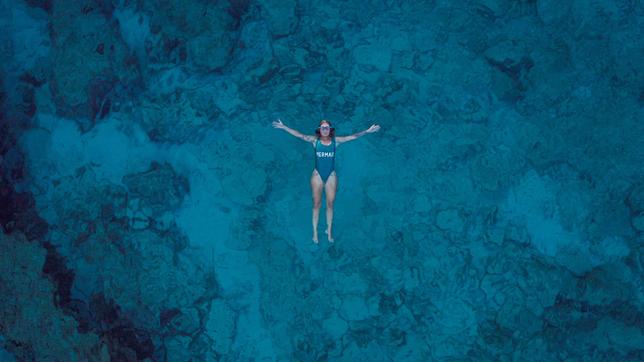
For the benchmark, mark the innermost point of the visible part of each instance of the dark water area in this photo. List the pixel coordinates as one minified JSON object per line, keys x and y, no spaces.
{"x":487,"y":201}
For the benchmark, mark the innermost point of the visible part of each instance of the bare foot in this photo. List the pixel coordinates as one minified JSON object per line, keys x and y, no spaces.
{"x":315,"y":238}
{"x":328,"y":235}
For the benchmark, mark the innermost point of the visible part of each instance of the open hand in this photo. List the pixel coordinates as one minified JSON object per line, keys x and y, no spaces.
{"x":373,"y":128}
{"x":278,"y":124}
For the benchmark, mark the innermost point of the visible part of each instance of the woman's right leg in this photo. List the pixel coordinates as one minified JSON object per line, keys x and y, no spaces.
{"x":316,"y":188}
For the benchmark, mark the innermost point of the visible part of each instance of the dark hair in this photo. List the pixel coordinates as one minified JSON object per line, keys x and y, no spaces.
{"x":331,"y":130}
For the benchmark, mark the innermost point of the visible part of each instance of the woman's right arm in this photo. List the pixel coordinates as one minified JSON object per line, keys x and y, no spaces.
{"x":279,"y":124}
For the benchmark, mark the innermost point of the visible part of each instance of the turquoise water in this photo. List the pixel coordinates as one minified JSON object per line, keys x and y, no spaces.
{"x":151,"y":211}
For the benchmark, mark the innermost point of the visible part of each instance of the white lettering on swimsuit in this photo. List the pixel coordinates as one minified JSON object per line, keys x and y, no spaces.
{"x":325,"y":154}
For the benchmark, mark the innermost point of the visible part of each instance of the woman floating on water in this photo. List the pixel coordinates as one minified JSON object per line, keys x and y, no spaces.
{"x":324,"y":141}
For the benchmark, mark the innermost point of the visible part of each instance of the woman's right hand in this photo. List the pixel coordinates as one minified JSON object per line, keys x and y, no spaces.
{"x":278,"y":124}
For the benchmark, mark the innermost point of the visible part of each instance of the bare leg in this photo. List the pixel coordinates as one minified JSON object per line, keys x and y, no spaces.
{"x":330,"y":189}
{"x":316,"y":217}
{"x":329,"y":221}
{"x":316,"y":189}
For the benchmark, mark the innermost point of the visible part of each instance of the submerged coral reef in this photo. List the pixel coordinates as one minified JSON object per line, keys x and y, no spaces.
{"x":150,"y":213}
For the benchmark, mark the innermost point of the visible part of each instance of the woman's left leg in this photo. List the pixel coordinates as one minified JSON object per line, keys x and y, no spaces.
{"x":330,"y":187}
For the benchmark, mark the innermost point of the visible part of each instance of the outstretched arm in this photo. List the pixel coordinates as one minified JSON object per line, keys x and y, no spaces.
{"x":279,"y":124}
{"x":373,"y":128}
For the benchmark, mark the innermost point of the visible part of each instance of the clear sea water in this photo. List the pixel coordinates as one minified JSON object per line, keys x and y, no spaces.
{"x":151,"y":211}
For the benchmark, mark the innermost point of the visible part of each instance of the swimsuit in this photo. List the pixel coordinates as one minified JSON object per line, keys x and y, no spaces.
{"x":324,"y":159}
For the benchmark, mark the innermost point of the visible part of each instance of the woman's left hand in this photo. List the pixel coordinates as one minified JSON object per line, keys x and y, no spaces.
{"x":373,"y":128}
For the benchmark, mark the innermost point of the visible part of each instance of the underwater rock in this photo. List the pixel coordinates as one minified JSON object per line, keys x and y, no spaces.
{"x":85,"y":208}
{"x":414,"y":348}
{"x":462,"y":99}
{"x":159,"y":188}
{"x":100,"y":102}
{"x":376,"y":56}
{"x":5,"y":355}
{"x":88,"y":60}
{"x":199,"y":34}
{"x":625,"y":44}
{"x":412,"y":278}
{"x":25,"y":54}
{"x":223,"y":93}
{"x":574,"y":198}
{"x":185,"y":323}
{"x":371,"y":351}
{"x":553,"y":12}
{"x":606,"y":284}
{"x":392,"y":276}
{"x":450,"y":219}
{"x":388,"y":304}
{"x":492,"y":169}
{"x":455,"y":316}
{"x":497,"y":289}
{"x":354,"y":308}
{"x":515,"y":316}
{"x":404,"y":320}
{"x":335,"y":326}
{"x":221,"y":325}
{"x":512,"y":61}
{"x":210,"y":49}
{"x":140,"y":221}
{"x":535,"y":349}
{"x":576,"y":322}
{"x":155,"y":281}
{"x":237,"y":9}
{"x":638,"y":222}
{"x":373,"y":304}
{"x":352,"y":284}
{"x":27,"y":104}
{"x":255,"y":61}
{"x":173,"y":117}
{"x":612,"y":334}
{"x":42,"y":4}
{"x":165,"y":222}
{"x":181,"y":334}
{"x":178,"y":348}
{"x":496,"y":340}
{"x":33,"y":327}
{"x":133,"y":282}
{"x":497,"y":7}
{"x":494,"y":235}
{"x":583,"y":252}
{"x":18,"y":211}
{"x":533,"y":204}
{"x":635,"y":199}
{"x":55,"y":267}
{"x":129,"y":343}
{"x":13,"y":162}
{"x":7,"y":138}
{"x":167,"y":315}
{"x":596,"y":18}
{"x":281,"y":16}
{"x":245,"y":232}
{"x":542,"y":284}
{"x":608,"y":250}
{"x":246,"y":186}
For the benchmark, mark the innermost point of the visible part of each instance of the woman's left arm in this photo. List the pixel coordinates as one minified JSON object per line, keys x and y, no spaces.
{"x":373,"y":128}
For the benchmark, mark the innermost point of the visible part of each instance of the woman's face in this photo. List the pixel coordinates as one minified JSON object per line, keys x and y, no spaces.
{"x":325,"y":129}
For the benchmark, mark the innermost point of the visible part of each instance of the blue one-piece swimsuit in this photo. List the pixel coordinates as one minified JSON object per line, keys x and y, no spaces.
{"x":325,"y":159}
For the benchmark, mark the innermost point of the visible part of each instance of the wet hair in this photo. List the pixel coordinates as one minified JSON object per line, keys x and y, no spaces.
{"x":331,"y":130}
